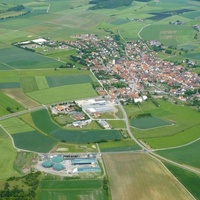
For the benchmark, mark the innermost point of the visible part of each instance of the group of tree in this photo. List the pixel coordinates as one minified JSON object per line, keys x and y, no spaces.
{"x":17,"y":192}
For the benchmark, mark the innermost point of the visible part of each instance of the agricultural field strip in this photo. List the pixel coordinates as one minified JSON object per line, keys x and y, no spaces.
{"x":172,"y":175}
{"x":177,"y":146}
{"x":197,"y":171}
{"x":8,"y":65}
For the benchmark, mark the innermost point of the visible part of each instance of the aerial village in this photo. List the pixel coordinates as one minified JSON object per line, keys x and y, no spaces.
{"x":130,"y":72}
{"x":126,"y":69}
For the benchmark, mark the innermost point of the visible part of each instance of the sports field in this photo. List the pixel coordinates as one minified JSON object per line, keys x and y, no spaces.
{"x":43,"y":122}
{"x":142,"y":177}
{"x":148,"y":122}
{"x":188,"y":155}
{"x":71,"y":189}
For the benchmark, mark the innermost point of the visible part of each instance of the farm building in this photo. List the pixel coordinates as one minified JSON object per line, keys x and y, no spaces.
{"x":47,"y":164}
{"x":57,"y":159}
{"x":58,"y":167}
{"x":83,"y":161}
{"x":89,"y":169}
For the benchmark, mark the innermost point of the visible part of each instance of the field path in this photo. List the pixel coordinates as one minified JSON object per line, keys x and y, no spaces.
{"x":178,"y":146}
{"x":142,"y":30}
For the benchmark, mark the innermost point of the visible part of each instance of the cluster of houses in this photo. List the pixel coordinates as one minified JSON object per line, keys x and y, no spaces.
{"x":136,"y":66}
{"x":197,"y":27}
{"x":74,"y":111}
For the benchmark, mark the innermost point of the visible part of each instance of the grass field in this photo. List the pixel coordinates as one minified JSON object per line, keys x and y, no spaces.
{"x":185,"y":129}
{"x":188,"y":155}
{"x":71,"y":189}
{"x":20,"y":97}
{"x":8,"y":155}
{"x":32,"y":61}
{"x":63,"y":93}
{"x":190,"y":180}
{"x":141,"y":177}
{"x":148,"y":122}
{"x":34,"y":141}
{"x":15,"y":125}
{"x":55,"y":81}
{"x":45,"y":124}
{"x":117,"y":123}
{"x":123,"y":145}
{"x":6,"y":102}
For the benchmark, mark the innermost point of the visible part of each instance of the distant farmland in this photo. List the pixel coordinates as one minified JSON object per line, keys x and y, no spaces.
{"x":139,"y":176}
{"x":22,"y":59}
{"x":71,"y":189}
{"x":63,"y":93}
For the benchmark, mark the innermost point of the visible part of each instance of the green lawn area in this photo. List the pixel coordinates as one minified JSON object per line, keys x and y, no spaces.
{"x":123,"y":145}
{"x":71,"y":189}
{"x":43,"y":122}
{"x":117,"y":123}
{"x":63,"y":93}
{"x":8,"y":155}
{"x":190,"y":180}
{"x":148,"y":122}
{"x":188,"y":155}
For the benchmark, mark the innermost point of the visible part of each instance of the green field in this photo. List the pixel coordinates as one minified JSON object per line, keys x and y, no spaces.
{"x":117,"y":123}
{"x":185,"y":119}
{"x":6,"y":102}
{"x":8,"y":155}
{"x":29,"y":84}
{"x":190,"y":180}
{"x":148,"y":123}
{"x":44,"y":123}
{"x":55,"y":81}
{"x":188,"y":155}
{"x":114,"y":146}
{"x":63,"y":93}
{"x":139,"y":176}
{"x":15,"y":125}
{"x":71,"y":189}
{"x":32,"y":61}
{"x":34,"y":141}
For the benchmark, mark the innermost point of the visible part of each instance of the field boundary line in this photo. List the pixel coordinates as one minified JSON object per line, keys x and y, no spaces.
{"x":13,"y":143}
{"x":173,"y":176}
{"x":178,"y":146}
{"x":142,"y":30}
{"x":9,"y":65}
{"x":48,"y":8}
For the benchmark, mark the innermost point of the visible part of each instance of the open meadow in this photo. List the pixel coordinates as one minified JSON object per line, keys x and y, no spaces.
{"x":142,"y":177}
{"x":186,"y":123}
{"x":188,"y":155}
{"x":71,"y":189}
{"x":8,"y":155}
{"x":190,"y":180}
